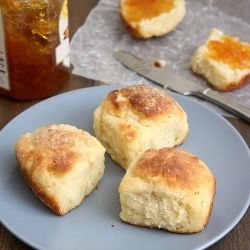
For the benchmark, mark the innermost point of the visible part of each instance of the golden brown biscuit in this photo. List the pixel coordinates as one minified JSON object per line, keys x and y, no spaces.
{"x":61,"y":164}
{"x":224,"y":61}
{"x":147,"y":18}
{"x":135,"y":118}
{"x":167,"y":188}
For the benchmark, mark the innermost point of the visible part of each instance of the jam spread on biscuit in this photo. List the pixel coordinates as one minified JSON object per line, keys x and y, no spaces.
{"x":147,"y":9}
{"x":230,"y":51}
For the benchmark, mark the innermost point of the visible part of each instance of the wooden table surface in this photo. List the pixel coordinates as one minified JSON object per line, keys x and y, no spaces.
{"x":238,"y":238}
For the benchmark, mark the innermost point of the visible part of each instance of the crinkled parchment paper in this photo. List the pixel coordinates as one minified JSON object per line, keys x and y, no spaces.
{"x":93,"y":45}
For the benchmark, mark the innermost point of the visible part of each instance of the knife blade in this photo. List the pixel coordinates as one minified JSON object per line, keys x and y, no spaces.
{"x":181,"y":85}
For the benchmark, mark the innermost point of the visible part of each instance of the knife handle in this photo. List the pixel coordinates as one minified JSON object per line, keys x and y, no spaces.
{"x":228,"y":104}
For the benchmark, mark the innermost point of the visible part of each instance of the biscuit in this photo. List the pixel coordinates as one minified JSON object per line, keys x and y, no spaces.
{"x":224,"y":61}
{"x":169,"y":189}
{"x":145,"y":19}
{"x":61,"y":164}
{"x":135,"y":118}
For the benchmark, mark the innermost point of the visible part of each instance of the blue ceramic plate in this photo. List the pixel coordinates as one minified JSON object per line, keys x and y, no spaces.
{"x":95,"y":224}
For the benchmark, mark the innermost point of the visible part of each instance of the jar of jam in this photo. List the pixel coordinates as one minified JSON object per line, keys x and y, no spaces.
{"x":34,"y":48}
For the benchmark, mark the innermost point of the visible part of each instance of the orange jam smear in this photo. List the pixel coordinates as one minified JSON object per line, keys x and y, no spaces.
{"x":230,"y":51}
{"x":147,"y":9}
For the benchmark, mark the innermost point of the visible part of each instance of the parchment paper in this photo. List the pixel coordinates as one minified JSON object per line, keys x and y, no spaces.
{"x":93,"y":45}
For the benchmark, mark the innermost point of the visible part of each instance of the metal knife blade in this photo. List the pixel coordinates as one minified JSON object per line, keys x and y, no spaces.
{"x":180,"y":85}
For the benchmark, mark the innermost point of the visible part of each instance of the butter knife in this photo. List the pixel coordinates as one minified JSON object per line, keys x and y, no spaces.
{"x":181,"y":85}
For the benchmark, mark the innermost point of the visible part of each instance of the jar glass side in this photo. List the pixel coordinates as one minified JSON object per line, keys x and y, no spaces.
{"x":34,"y":42}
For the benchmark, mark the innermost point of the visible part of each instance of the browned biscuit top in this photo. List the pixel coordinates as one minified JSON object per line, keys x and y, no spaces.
{"x":61,"y":163}
{"x":52,"y":148}
{"x":173,"y":167}
{"x":50,"y":137}
{"x":143,"y":100}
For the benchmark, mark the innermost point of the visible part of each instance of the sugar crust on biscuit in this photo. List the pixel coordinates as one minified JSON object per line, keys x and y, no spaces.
{"x":61,"y":164}
{"x":132,"y":119}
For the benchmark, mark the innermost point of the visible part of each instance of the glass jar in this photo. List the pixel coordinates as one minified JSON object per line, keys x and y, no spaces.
{"x":34,"y":48}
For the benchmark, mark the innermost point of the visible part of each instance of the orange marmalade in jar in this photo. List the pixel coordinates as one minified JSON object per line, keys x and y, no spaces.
{"x":34,"y":48}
